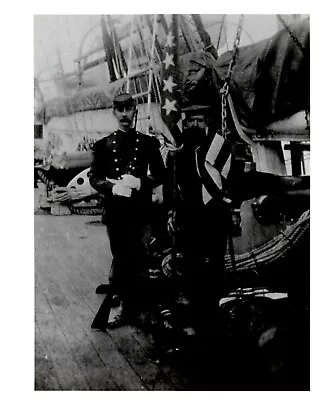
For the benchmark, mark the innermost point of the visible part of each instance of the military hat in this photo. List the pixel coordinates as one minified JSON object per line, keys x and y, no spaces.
{"x":123,"y":100}
{"x":196,"y":108}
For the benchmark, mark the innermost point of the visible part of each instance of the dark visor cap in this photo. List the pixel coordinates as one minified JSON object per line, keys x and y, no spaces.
{"x":124,"y":100}
{"x":196,"y":108}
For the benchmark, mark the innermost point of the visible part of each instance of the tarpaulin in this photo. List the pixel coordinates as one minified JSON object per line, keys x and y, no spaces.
{"x":270,"y":79}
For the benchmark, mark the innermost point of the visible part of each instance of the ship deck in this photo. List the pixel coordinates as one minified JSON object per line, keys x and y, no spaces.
{"x":72,"y":257}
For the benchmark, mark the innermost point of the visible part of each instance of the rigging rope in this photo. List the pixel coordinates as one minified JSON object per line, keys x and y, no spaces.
{"x":155,"y":25}
{"x":225,"y":89}
{"x":130,"y":55}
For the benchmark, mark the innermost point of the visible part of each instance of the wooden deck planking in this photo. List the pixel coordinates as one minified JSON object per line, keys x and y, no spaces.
{"x":72,"y":258}
{"x":76,"y":321}
{"x":126,"y":347}
{"x":156,"y":378}
{"x":69,"y":373}
{"x":178,"y":381}
{"x":45,"y":373}
{"x":152,"y":376}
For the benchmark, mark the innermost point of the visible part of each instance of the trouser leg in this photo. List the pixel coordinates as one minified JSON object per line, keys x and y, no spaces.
{"x":206,"y":254}
{"x":128,"y":237}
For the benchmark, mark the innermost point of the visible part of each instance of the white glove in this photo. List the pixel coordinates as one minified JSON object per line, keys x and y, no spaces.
{"x":131,"y":181}
{"x":120,"y":190}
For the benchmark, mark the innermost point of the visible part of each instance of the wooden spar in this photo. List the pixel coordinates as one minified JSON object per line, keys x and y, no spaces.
{"x":163,"y":22}
{"x":137,"y":82}
{"x":157,"y":44}
{"x":123,"y":62}
{"x":286,"y":19}
{"x":130,"y":54}
{"x":186,"y":35}
{"x":119,"y":56}
{"x":155,"y":25}
{"x":108,"y":49}
{"x":221,"y":29}
{"x":204,"y":35}
{"x":141,"y":38}
{"x":94,"y":63}
{"x":114,"y":44}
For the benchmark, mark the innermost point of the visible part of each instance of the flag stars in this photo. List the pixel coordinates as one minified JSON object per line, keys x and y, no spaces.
{"x":169,"y":84}
{"x":169,"y":106}
{"x":168,"y":60}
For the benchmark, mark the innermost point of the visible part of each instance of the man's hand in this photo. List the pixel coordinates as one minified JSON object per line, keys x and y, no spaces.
{"x":120,"y":190}
{"x":131,"y":181}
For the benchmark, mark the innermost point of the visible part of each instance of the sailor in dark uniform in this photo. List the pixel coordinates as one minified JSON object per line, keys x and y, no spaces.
{"x":202,"y":229}
{"x":127,"y":165}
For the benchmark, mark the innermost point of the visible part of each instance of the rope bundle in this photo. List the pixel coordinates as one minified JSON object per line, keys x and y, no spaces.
{"x":274,"y":249}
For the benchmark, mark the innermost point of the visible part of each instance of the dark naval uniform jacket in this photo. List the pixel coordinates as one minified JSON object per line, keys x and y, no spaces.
{"x":131,"y":153}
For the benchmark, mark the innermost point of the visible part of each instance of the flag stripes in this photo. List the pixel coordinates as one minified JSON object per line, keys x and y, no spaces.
{"x":214,"y":165}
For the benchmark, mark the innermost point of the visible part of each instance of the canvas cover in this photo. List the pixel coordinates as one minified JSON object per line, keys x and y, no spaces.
{"x":270,"y":79}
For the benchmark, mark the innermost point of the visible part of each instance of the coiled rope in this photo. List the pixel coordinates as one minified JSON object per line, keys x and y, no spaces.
{"x":274,"y":249}
{"x":86,"y":210}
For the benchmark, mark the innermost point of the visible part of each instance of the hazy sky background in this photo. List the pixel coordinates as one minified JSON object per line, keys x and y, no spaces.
{"x":66,"y":32}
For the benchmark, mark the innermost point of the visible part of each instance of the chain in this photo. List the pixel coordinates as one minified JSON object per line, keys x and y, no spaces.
{"x":224,"y":129}
{"x":294,"y":38}
{"x":225,"y":89}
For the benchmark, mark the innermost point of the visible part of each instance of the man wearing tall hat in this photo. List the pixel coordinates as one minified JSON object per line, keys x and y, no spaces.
{"x":127,"y":165}
{"x":201,"y":228}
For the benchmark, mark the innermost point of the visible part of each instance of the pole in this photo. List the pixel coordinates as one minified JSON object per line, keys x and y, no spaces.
{"x":107,"y":48}
{"x":186,"y":35}
{"x":114,"y":44}
{"x":157,"y":44}
{"x":121,"y":63}
{"x":206,"y":40}
{"x":130,"y":55}
{"x":151,"y":69}
{"x":222,"y":25}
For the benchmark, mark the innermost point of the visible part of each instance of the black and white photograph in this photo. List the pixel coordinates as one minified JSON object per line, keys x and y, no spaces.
{"x":171,"y":202}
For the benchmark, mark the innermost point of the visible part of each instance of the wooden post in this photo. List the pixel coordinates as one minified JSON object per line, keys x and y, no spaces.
{"x":204,"y":35}
{"x":186,"y":34}
{"x":157,"y":44}
{"x":108,"y":49}
{"x":117,"y":49}
{"x":163,"y":22}
{"x":296,"y":158}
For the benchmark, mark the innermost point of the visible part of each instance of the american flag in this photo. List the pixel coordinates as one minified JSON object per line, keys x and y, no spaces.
{"x":214,"y":161}
{"x":170,"y":91}
{"x":214,"y":166}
